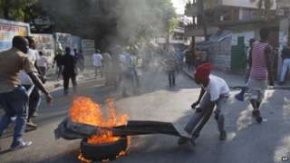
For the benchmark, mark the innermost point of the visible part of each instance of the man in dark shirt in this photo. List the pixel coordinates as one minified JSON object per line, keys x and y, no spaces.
{"x":69,"y":70}
{"x":286,"y":63}
{"x":57,"y":61}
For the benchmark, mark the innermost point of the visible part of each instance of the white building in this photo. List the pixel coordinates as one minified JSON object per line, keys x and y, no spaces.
{"x":178,"y":36}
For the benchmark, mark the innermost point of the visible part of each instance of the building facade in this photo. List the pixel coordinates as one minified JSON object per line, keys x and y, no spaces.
{"x":177,"y":37}
{"x":239,"y":19}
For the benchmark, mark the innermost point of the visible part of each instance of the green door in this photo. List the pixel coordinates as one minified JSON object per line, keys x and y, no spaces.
{"x":238,"y":56}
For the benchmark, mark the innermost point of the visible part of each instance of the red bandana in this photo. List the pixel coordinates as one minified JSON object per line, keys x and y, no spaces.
{"x":202,"y":72}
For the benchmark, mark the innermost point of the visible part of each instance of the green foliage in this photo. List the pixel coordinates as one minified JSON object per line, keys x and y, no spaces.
{"x":15,"y":9}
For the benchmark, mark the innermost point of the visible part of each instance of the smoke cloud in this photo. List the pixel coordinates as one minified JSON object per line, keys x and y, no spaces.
{"x":107,"y":21}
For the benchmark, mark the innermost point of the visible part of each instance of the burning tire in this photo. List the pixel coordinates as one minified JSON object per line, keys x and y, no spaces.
{"x":97,"y":152}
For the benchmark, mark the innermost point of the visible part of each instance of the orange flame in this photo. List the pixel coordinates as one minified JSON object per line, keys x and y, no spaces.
{"x":85,"y":111}
{"x":83,"y":159}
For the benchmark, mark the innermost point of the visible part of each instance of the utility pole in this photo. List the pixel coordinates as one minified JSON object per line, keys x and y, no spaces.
{"x":193,"y":28}
{"x":203,"y":18}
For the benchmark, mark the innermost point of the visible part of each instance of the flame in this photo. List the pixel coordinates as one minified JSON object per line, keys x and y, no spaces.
{"x":83,"y":159}
{"x":85,"y":111}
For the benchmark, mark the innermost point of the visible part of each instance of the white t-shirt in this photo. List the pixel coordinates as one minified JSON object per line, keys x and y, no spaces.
{"x":42,"y":62}
{"x":32,"y":56}
{"x":217,"y":87}
{"x":97,"y":60}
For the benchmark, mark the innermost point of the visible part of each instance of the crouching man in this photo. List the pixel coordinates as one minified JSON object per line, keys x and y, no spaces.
{"x":214,"y":92}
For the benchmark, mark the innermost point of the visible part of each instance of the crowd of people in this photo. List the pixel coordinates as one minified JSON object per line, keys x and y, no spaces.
{"x":119,"y":67}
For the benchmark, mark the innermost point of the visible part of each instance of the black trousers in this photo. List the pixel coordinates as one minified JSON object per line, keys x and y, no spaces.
{"x":58,"y":71}
{"x":66,"y":79}
{"x":171,"y":78}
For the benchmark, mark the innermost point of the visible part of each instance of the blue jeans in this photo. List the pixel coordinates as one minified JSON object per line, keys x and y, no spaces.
{"x":14,"y":103}
{"x":285,"y":67}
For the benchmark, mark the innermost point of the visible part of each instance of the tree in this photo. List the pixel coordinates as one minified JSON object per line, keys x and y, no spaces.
{"x":15,"y":9}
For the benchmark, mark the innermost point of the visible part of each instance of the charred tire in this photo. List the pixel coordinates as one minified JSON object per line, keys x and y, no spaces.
{"x":104,"y":151}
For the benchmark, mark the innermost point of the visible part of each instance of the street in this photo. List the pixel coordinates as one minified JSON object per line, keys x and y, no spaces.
{"x":247,"y":141}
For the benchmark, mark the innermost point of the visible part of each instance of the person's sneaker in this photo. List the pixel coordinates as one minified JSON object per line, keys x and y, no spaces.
{"x":240,"y":96}
{"x":31,"y":124}
{"x":259,"y":119}
{"x":21,"y":145}
{"x":182,"y":140}
{"x":223,"y":135}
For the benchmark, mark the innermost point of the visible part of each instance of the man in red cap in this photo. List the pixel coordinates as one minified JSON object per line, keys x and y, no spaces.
{"x":214,"y":92}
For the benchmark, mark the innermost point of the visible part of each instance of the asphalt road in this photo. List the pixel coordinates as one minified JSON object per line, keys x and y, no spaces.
{"x":247,"y":141}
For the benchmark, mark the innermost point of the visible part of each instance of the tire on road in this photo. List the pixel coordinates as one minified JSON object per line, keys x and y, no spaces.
{"x":98,"y":152}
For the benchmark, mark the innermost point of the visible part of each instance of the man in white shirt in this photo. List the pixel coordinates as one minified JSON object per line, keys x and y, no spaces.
{"x":34,"y":94}
{"x":42,"y":64}
{"x":98,"y":63}
{"x":214,"y":92}
{"x":24,"y":78}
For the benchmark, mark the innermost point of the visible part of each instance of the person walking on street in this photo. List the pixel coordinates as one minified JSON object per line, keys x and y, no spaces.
{"x":42,"y":64}
{"x":170,"y":63}
{"x":260,"y":72}
{"x":249,"y":59}
{"x":34,"y":98}
{"x":108,"y":68}
{"x":134,"y":64}
{"x":98,"y":63}
{"x":79,"y":59}
{"x":57,"y":61}
{"x":126,"y":79}
{"x":286,"y":64}
{"x":189,"y":59}
{"x":214,"y":94}
{"x":69,"y":70}
{"x":13,"y":97}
